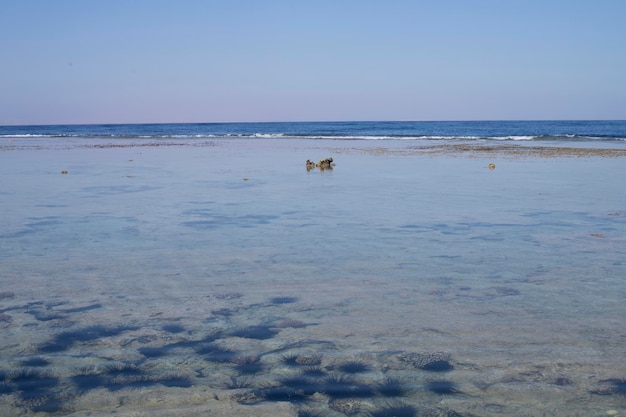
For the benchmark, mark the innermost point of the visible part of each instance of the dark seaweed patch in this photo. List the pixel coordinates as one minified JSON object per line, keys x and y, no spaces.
{"x":312,"y":413}
{"x":44,"y":404}
{"x":344,"y":387}
{"x":442,"y":387}
{"x":81,"y":309}
{"x":305,"y":386}
{"x":120,"y":376}
{"x":34,"y":390}
{"x":173,"y":328}
{"x":118,"y":369}
{"x":214,"y":353}
{"x":313,"y":372}
{"x":42,"y":315}
{"x":5,"y":388}
{"x":249,"y":368}
{"x":35,"y":362}
{"x":290,"y":360}
{"x":395,"y":410}
{"x":283,"y":300}
{"x":66,"y":340}
{"x":353,"y":367}
{"x":225,"y":312}
{"x":392,"y":387}
{"x":178,"y":382}
{"x":112,"y":377}
{"x":238,"y":383}
{"x":280,"y":393}
{"x":153,"y":352}
{"x":31,"y":381}
{"x":256,"y":332}
{"x":88,"y":382}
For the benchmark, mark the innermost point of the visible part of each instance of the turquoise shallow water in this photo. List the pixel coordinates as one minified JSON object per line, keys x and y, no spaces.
{"x":222,"y":276}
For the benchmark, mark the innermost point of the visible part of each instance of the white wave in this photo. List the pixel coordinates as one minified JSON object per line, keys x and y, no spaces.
{"x":268,"y":135}
{"x":26,"y":135}
{"x":513,"y":137}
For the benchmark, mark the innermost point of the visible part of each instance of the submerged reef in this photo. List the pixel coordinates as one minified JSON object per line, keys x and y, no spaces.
{"x":428,"y":361}
{"x":611,"y":387}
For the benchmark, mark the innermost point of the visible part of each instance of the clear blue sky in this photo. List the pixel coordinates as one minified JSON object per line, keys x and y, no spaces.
{"x":136,"y":61}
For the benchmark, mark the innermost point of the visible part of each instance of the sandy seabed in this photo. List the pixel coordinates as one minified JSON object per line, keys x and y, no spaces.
{"x":222,"y":278}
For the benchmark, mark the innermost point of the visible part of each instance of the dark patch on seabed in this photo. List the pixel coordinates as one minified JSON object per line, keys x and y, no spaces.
{"x":41,"y":224}
{"x":216,"y":221}
{"x":82,"y":309}
{"x":297,"y":372}
{"x":66,"y":340}
{"x":95,"y":191}
{"x":261,"y":332}
{"x":283,"y":300}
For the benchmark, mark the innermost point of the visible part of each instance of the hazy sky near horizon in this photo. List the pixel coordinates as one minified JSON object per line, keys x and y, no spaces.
{"x":145,"y":61}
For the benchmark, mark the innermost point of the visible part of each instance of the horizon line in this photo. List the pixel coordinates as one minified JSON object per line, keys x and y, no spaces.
{"x":313,"y":121}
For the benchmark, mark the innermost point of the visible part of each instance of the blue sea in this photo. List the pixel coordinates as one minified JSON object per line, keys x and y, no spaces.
{"x":568,"y":131}
{"x":433,"y":269}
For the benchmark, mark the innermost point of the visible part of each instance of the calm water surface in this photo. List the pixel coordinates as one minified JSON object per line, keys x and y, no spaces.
{"x":223,"y":277}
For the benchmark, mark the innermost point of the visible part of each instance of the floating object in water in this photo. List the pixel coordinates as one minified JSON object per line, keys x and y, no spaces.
{"x":64,"y":172}
{"x":492,"y":166}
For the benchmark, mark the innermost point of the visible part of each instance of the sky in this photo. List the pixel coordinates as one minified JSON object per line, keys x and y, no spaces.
{"x":153,"y":61}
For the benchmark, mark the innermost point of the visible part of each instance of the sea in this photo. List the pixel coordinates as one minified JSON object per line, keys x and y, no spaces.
{"x":408,"y":269}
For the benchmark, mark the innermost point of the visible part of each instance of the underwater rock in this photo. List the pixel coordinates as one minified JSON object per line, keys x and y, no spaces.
{"x":294,"y":324}
{"x":325,"y":164}
{"x":322,"y":164}
{"x":434,"y":361}
{"x":611,"y":387}
{"x":347,"y":406}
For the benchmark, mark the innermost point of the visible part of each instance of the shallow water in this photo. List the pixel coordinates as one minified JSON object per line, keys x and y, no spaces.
{"x":176,"y":280}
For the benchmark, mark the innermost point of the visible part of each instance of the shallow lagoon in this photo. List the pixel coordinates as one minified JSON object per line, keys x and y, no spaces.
{"x":222,"y":277}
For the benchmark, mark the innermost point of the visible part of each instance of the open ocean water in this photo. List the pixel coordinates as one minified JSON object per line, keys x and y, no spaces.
{"x":201,"y":269}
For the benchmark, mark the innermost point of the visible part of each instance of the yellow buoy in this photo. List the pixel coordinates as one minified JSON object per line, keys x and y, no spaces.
{"x":492,"y":166}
